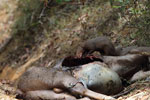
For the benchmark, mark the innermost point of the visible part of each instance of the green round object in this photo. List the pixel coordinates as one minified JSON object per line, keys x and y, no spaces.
{"x":99,"y":78}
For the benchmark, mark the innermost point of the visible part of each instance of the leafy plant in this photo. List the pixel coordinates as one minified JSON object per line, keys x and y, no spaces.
{"x":60,"y":1}
{"x":122,"y":4}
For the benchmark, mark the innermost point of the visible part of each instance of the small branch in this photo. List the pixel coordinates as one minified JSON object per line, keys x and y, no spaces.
{"x":43,"y":10}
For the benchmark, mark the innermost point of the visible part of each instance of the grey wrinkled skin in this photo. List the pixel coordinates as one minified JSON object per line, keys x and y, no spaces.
{"x":40,"y":80}
{"x":126,"y":66}
{"x":126,"y":50}
{"x":134,"y":49}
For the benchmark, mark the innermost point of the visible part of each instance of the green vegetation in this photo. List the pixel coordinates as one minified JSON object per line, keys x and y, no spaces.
{"x":139,"y":18}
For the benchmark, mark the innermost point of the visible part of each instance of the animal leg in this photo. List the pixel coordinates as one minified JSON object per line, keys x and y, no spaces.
{"x":80,"y":89}
{"x":47,"y":95}
{"x":140,"y":75}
